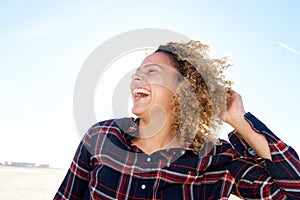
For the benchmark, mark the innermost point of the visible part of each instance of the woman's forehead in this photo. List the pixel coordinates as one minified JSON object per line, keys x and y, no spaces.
{"x":158,"y":58}
{"x":161,"y":67}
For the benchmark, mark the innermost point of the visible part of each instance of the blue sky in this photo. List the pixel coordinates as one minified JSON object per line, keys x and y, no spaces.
{"x":44,"y":44}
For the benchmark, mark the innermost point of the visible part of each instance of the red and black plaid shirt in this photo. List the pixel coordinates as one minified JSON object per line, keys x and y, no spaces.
{"x":107,"y":166}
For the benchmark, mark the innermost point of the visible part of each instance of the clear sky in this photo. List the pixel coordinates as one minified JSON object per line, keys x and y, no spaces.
{"x":43,"y":45}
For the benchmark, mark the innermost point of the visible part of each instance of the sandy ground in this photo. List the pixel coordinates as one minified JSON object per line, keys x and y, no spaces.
{"x":29,"y":183}
{"x":18,"y":183}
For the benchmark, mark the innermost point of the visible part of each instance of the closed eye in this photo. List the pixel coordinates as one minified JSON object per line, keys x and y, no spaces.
{"x":152,"y":71}
{"x":150,"y":68}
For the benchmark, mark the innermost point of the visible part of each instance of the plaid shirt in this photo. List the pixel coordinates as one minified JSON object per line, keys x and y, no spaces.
{"x":107,"y":166}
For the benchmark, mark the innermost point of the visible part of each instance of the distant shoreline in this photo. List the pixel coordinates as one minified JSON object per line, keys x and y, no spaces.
{"x":20,"y":167}
{"x":25,"y":165}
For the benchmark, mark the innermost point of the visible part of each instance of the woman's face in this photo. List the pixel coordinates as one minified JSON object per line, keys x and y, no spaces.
{"x":153,"y":84}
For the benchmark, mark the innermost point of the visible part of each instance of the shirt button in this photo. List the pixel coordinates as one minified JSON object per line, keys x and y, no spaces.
{"x":148,"y":159}
{"x":143,"y":186}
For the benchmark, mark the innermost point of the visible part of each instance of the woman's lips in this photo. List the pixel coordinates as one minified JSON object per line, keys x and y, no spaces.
{"x":140,"y":93}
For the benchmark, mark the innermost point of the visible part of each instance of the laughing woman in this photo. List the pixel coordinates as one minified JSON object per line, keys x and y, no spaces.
{"x":171,"y":150}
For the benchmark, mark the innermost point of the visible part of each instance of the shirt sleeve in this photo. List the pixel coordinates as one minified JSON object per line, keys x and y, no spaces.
{"x":75,"y":183}
{"x":260,"y":178}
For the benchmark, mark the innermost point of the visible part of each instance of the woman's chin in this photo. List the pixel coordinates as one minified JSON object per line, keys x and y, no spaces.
{"x":140,"y":107}
{"x":138,"y":111}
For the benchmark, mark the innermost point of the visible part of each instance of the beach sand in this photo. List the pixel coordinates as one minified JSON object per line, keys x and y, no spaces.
{"x":29,"y":183}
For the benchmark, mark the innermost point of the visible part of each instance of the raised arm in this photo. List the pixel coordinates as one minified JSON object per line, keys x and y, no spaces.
{"x":268,"y":168}
{"x":235,"y":117}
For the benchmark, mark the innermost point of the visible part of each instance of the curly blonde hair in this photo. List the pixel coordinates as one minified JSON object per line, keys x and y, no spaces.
{"x":202,"y":94}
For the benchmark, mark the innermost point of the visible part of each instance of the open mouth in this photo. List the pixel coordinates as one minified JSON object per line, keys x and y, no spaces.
{"x":140,"y":93}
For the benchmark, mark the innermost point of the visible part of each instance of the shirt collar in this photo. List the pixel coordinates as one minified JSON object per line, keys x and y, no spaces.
{"x":130,"y":127}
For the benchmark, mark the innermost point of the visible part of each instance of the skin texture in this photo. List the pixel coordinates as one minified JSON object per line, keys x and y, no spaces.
{"x":157,"y":75}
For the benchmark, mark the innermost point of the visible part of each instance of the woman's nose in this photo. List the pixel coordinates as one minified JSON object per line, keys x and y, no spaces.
{"x":137,"y":77}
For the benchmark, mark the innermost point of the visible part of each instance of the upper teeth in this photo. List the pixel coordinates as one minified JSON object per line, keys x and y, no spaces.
{"x":141,"y":91}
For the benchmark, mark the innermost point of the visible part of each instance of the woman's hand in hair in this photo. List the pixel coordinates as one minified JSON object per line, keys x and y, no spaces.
{"x":235,"y":109}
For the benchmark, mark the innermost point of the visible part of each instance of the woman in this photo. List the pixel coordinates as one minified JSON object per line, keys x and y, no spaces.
{"x":170,"y":151}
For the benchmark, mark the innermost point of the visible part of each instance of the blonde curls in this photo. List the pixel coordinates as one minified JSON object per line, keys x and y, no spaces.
{"x":202,"y":94}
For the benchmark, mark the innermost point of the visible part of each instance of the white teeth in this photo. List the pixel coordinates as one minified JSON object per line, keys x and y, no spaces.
{"x":140,"y":91}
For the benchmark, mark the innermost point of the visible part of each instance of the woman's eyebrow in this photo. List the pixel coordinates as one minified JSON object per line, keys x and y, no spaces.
{"x":149,"y":65}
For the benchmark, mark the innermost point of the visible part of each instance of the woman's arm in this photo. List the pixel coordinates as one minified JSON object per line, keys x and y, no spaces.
{"x":75,"y":183}
{"x":273,"y":170}
{"x":235,"y":117}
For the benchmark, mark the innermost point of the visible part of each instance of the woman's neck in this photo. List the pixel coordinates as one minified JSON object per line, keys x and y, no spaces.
{"x":156,"y":134}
